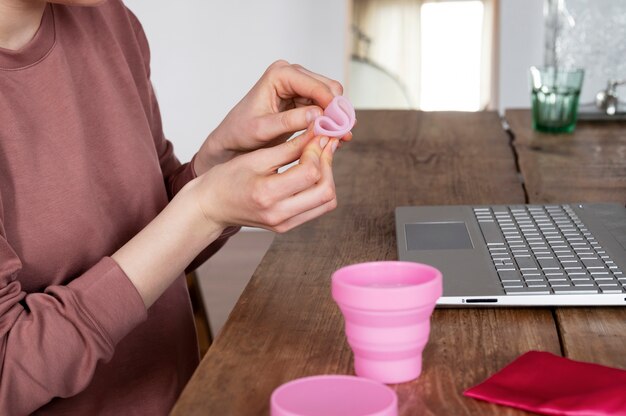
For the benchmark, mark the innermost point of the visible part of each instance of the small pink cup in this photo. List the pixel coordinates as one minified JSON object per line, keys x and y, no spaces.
{"x":333,"y":395}
{"x":387,"y":307}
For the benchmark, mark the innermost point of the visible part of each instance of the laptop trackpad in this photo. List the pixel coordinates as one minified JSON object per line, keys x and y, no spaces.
{"x":437,"y":236}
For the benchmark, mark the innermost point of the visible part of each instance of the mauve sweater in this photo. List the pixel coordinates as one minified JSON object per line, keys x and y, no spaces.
{"x":84,"y":166}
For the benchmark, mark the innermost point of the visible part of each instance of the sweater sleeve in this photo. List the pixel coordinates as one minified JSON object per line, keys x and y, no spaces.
{"x":51,"y":342}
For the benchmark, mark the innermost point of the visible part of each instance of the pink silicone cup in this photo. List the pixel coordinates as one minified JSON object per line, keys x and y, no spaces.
{"x":333,"y":395}
{"x":387,"y":308}
{"x":338,"y":119}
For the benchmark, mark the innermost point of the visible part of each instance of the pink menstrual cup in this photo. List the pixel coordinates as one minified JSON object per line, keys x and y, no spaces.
{"x":387,"y":307}
{"x":338,"y":119}
{"x":334,"y":395}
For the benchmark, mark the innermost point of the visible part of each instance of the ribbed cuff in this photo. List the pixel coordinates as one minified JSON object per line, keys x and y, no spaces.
{"x":111,"y":300}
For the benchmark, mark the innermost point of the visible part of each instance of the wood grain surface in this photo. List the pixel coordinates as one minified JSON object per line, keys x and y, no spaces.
{"x":586,"y":166}
{"x":286,"y":326}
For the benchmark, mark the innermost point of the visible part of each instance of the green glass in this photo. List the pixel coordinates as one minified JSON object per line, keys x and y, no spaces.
{"x":555,"y":94}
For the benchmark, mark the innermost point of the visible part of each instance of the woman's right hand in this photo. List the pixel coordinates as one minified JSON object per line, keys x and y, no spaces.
{"x":249,"y":191}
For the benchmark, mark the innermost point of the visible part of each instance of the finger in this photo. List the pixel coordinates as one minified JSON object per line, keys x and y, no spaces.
{"x":301,"y":176}
{"x":298,"y":219}
{"x":270,"y":159}
{"x":305,"y":217}
{"x":315,"y":195}
{"x":292,"y":83}
{"x":284,"y":137}
{"x":315,"y":201}
{"x":289,"y":121}
{"x":335,"y":86}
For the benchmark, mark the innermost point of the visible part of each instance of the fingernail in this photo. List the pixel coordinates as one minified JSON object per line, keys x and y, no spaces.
{"x":323,"y":142}
{"x":312,"y":115}
{"x":334,"y":145}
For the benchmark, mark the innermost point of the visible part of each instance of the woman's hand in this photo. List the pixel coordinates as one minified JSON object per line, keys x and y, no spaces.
{"x":285,"y":100}
{"x":249,"y":191}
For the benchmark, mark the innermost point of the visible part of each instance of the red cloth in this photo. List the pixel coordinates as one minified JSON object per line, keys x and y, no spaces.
{"x":84,"y":166}
{"x":545,"y":383}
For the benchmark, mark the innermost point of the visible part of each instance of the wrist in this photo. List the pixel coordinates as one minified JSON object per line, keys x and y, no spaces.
{"x":200,"y":223}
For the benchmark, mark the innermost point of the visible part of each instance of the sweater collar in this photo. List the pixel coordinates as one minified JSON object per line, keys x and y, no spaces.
{"x":36,"y":49}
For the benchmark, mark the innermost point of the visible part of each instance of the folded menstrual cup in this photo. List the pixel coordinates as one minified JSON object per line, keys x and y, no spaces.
{"x":338,"y":119}
{"x":387,"y":307}
{"x":333,"y":395}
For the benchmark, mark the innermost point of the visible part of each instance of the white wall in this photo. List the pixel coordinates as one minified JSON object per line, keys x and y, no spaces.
{"x":207,"y":54}
{"x":521,"y":46}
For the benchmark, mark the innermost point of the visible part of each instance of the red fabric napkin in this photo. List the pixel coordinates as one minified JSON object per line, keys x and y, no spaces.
{"x":545,"y":383}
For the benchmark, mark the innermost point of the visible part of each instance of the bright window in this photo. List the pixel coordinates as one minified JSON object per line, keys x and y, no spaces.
{"x":451,"y":38}
{"x":423,"y":54}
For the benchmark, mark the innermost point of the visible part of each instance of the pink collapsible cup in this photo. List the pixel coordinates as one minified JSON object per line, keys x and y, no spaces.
{"x":387,"y":307}
{"x":333,"y":395}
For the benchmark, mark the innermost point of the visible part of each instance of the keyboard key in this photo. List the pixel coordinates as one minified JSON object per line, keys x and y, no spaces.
{"x":569,"y":268}
{"x":583,"y":276}
{"x":557,"y":279}
{"x":573,"y":290}
{"x":549,"y":263}
{"x":530,"y":279}
{"x":510,"y":276}
{"x":560,"y":284}
{"x":607,"y":284}
{"x":593,"y":263}
{"x":526,"y":263}
{"x":583,"y":283}
{"x":492,"y":234}
{"x":603,"y":279}
{"x":493,"y":249}
{"x":554,"y":273}
{"x":612,"y":290}
{"x":504,"y":268}
{"x":512,"y":286}
{"x":518,"y":247}
{"x":528,"y":291}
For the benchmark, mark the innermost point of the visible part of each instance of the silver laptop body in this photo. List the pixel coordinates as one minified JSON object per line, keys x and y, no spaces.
{"x":520,"y":255}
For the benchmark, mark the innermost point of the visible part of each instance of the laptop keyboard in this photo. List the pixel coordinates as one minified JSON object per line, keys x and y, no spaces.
{"x":546,"y":249}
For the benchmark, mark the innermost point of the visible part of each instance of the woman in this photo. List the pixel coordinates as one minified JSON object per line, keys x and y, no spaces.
{"x":98,"y":219}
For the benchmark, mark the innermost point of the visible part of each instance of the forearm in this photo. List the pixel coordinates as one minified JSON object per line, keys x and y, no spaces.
{"x":159,"y":253}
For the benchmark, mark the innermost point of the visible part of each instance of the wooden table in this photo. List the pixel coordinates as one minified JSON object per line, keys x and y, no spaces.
{"x":285,"y":325}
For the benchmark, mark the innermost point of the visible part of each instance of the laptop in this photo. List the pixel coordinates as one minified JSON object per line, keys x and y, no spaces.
{"x":520,"y":255}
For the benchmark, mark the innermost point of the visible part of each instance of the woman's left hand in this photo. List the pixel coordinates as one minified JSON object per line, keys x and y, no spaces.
{"x":285,"y":100}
